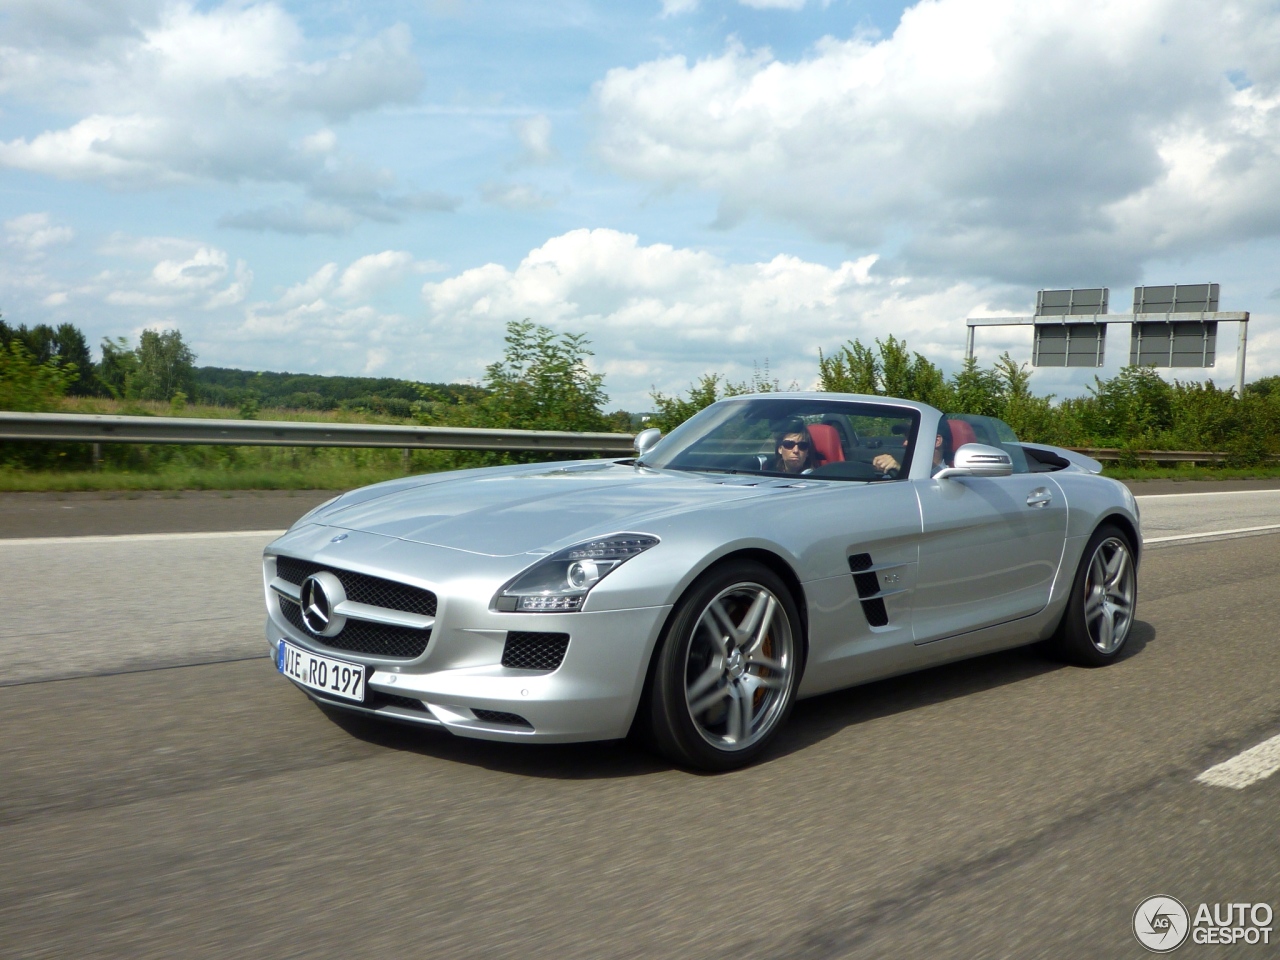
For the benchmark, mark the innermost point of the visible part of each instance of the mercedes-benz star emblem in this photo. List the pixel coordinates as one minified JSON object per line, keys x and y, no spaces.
{"x":321,"y":595}
{"x":315,"y":606}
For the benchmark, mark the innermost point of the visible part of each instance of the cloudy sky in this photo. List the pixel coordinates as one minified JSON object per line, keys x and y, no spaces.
{"x":697,"y":185}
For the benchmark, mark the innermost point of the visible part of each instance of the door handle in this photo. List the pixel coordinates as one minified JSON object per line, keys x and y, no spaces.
{"x":1040,"y":497}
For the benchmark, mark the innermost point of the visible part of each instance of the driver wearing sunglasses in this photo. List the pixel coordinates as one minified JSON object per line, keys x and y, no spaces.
{"x":795,"y":448}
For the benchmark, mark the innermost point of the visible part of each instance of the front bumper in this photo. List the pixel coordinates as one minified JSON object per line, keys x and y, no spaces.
{"x":591,"y":695}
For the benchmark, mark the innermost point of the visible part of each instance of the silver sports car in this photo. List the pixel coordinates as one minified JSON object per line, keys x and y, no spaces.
{"x":772,"y":547}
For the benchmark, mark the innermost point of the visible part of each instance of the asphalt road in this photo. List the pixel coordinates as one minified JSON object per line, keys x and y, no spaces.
{"x":1003,"y":807}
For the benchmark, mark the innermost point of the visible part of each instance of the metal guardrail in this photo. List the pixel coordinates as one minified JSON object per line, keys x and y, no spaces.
{"x":1104,"y":454}
{"x":96,"y":428}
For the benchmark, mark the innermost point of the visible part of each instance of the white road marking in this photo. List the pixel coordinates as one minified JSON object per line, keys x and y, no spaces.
{"x":1210,"y":534}
{"x":140,"y":538}
{"x":1203,"y":493}
{"x":1256,"y":763}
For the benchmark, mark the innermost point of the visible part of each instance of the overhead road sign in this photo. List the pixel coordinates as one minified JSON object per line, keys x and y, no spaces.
{"x":1060,"y":342}
{"x":1171,"y":326}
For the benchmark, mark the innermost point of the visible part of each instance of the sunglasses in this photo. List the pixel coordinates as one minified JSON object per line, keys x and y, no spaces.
{"x":792,"y":444}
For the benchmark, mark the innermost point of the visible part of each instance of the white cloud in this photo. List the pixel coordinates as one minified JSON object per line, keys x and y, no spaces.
{"x":660,"y":315}
{"x":186,"y":94}
{"x":36,"y":232}
{"x":534,"y":134}
{"x":190,"y":275}
{"x":774,"y":4}
{"x":121,"y":244}
{"x":515,"y":196}
{"x":305,"y":218}
{"x":371,"y":274}
{"x":673,"y":8}
{"x":1064,"y":141}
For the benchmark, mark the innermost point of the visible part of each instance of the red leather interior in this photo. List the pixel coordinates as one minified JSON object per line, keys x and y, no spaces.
{"x":826,"y":442}
{"x":961,"y":433}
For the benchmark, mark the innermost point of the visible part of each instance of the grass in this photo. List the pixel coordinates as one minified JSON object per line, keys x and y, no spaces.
{"x":191,"y":478}
{"x":1188,"y":472}
{"x":201,"y":411}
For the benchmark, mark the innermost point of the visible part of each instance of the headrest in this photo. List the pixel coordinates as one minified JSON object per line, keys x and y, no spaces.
{"x":961,"y":433}
{"x":826,"y":442}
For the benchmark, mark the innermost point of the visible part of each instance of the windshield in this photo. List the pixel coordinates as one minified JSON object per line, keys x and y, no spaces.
{"x":830,"y":439}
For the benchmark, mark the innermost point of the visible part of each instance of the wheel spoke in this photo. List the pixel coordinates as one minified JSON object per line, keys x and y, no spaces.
{"x":1091,"y":606}
{"x":768,"y":683}
{"x":716,"y":633}
{"x":1118,"y":577}
{"x":1097,"y":570}
{"x":1114,"y":564}
{"x":726,"y":622}
{"x":746,"y":705}
{"x":708,"y":680}
{"x":760,"y":660}
{"x":710,"y":700}
{"x":756,"y":623}
{"x":1106,"y":628}
{"x":734,"y":732}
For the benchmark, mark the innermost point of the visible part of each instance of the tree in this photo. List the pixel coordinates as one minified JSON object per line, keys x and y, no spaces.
{"x":118,"y":369}
{"x":543,"y":382}
{"x":29,"y":385}
{"x":166,"y":365}
{"x":851,"y":369}
{"x":71,"y":348}
{"x":674,"y":410}
{"x":888,"y":371}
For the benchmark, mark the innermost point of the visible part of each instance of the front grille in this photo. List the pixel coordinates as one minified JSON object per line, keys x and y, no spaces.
{"x":507,"y":719}
{"x":361,"y":636}
{"x":362,"y":588}
{"x":534,"y":651}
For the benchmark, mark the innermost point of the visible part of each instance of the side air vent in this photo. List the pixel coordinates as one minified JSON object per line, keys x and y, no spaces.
{"x":506,"y":719}
{"x":868,"y":585}
{"x":534,"y":651}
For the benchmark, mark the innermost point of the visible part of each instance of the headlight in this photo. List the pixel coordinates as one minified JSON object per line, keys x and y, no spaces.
{"x":560,"y":583}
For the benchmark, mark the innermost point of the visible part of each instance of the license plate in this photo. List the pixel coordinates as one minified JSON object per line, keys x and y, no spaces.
{"x":335,"y":677}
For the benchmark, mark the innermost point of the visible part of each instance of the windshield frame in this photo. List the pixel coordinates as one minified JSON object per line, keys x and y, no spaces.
{"x":773,"y":409}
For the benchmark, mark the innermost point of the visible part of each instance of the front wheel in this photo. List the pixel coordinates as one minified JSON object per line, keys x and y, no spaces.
{"x":1104,"y":598}
{"x":727,"y":673}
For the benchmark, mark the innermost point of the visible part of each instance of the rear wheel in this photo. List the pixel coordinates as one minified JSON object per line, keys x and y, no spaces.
{"x":1104,"y":599}
{"x":727,"y":672}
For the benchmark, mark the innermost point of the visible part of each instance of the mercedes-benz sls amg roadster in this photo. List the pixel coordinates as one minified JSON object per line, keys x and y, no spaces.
{"x":772,"y":547}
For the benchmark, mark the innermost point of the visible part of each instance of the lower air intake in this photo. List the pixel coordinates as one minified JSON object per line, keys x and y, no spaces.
{"x":506,"y":719}
{"x":534,"y":651}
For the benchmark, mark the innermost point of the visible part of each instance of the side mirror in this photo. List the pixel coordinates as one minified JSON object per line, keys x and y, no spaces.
{"x":645,"y":440}
{"x":978,"y":460}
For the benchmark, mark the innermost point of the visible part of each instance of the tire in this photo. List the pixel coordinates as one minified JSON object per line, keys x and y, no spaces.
{"x":1103,"y":601}
{"x":728,"y":668}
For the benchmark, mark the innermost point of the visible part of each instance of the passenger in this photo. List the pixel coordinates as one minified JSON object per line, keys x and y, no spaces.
{"x":888,"y":464}
{"x":794,"y":448}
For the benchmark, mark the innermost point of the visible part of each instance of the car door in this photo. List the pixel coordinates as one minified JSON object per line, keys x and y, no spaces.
{"x":989,"y":551}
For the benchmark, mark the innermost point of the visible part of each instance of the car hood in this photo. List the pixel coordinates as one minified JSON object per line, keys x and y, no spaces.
{"x":505,"y":513}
